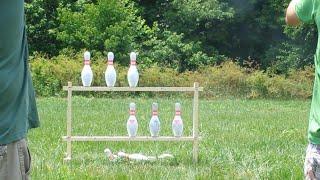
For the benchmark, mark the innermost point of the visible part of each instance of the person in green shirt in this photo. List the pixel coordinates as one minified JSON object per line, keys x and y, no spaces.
{"x":308,"y":11}
{"x":18,"y":111}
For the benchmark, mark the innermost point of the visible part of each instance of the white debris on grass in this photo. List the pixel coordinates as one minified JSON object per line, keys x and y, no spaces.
{"x":110,"y":156}
{"x":135,"y":156}
{"x":165,"y":156}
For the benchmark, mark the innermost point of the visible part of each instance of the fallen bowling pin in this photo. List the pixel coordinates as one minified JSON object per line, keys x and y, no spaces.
{"x":165,"y":156}
{"x":86,"y":73}
{"x":136,"y":157}
{"x":110,"y":156}
{"x":139,"y":157}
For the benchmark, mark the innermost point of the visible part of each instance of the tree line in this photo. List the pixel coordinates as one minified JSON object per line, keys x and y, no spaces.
{"x":181,"y":34}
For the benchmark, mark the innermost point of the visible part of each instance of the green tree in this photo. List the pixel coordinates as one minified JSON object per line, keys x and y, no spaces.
{"x":41,"y":24}
{"x":108,"y":25}
{"x":112,"y":25}
{"x":201,"y":21}
{"x":294,"y":51}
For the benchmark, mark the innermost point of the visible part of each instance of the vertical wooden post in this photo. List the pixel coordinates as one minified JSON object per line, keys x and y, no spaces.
{"x":196,"y":122}
{"x":69,"y":121}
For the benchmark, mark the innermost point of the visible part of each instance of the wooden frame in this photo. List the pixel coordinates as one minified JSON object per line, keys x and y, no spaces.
{"x":195,"y":130}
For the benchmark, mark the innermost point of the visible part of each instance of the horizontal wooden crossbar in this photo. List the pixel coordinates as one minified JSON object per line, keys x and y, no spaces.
{"x":127,"y":138}
{"x":128,"y":89}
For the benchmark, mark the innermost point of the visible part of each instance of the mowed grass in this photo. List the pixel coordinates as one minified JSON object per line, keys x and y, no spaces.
{"x":242,"y":139}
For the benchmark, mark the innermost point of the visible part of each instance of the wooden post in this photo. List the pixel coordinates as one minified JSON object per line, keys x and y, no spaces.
{"x":196,"y":122}
{"x":69,"y":122}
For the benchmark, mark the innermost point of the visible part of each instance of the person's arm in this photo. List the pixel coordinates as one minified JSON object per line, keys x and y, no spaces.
{"x":291,"y":15}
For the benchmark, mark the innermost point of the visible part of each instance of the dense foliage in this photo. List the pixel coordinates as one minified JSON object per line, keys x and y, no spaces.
{"x":181,"y":34}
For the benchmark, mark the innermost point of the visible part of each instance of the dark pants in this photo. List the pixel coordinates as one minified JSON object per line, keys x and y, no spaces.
{"x":15,"y":161}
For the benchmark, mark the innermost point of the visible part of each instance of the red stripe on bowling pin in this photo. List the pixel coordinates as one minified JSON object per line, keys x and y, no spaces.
{"x":86,"y":62}
{"x":132,"y":112}
{"x":154,"y":113}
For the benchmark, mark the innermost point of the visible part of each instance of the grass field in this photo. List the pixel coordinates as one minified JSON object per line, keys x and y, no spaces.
{"x":242,"y":139}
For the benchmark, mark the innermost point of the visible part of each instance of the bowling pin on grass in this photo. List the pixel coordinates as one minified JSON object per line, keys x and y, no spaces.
{"x":136,"y":157}
{"x":154,"y":125}
{"x":86,"y":74}
{"x":177,"y":123}
{"x":111,"y":156}
{"x":133,"y":75}
{"x":132,"y":123}
{"x":110,"y":74}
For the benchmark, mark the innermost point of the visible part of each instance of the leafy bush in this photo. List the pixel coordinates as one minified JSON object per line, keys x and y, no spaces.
{"x":108,"y":25}
{"x":257,"y":82}
{"x":226,"y":80}
{"x":41,"y":17}
{"x":169,"y":50}
{"x":286,"y":56}
{"x":114,"y":26}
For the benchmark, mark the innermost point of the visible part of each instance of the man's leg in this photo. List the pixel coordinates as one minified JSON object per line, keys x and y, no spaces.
{"x":15,"y":161}
{"x":3,"y":162}
{"x":312,"y":162}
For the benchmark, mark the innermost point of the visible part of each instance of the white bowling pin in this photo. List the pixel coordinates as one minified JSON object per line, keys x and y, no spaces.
{"x":110,"y":156}
{"x":136,"y":157}
{"x":133,"y":75}
{"x":86,"y":73}
{"x":132,"y":123}
{"x":177,"y":123}
{"x":154,"y":125}
{"x":110,"y":74}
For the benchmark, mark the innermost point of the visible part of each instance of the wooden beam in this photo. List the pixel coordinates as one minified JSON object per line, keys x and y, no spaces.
{"x":136,"y":89}
{"x":126,"y":138}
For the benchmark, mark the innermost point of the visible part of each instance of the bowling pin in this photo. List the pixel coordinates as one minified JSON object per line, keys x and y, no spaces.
{"x":110,"y":74}
{"x":136,"y":157}
{"x":132,"y":123}
{"x":177,"y":124}
{"x":86,"y":73}
{"x":112,"y":157}
{"x":133,"y":75}
{"x":154,"y":125}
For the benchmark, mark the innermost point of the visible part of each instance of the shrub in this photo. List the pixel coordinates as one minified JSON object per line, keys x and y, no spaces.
{"x":107,"y":25}
{"x":257,"y":82}
{"x":226,"y":80}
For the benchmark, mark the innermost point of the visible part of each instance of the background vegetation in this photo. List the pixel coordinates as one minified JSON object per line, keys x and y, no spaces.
{"x":192,"y":38}
{"x":226,"y":80}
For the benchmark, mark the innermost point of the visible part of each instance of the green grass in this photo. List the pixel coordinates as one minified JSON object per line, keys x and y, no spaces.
{"x":242,"y":139}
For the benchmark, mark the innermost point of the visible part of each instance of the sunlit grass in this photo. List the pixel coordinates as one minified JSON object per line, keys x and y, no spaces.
{"x":242,"y":139}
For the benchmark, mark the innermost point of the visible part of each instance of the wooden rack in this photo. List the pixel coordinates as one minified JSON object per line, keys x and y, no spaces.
{"x":194,"y":138}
